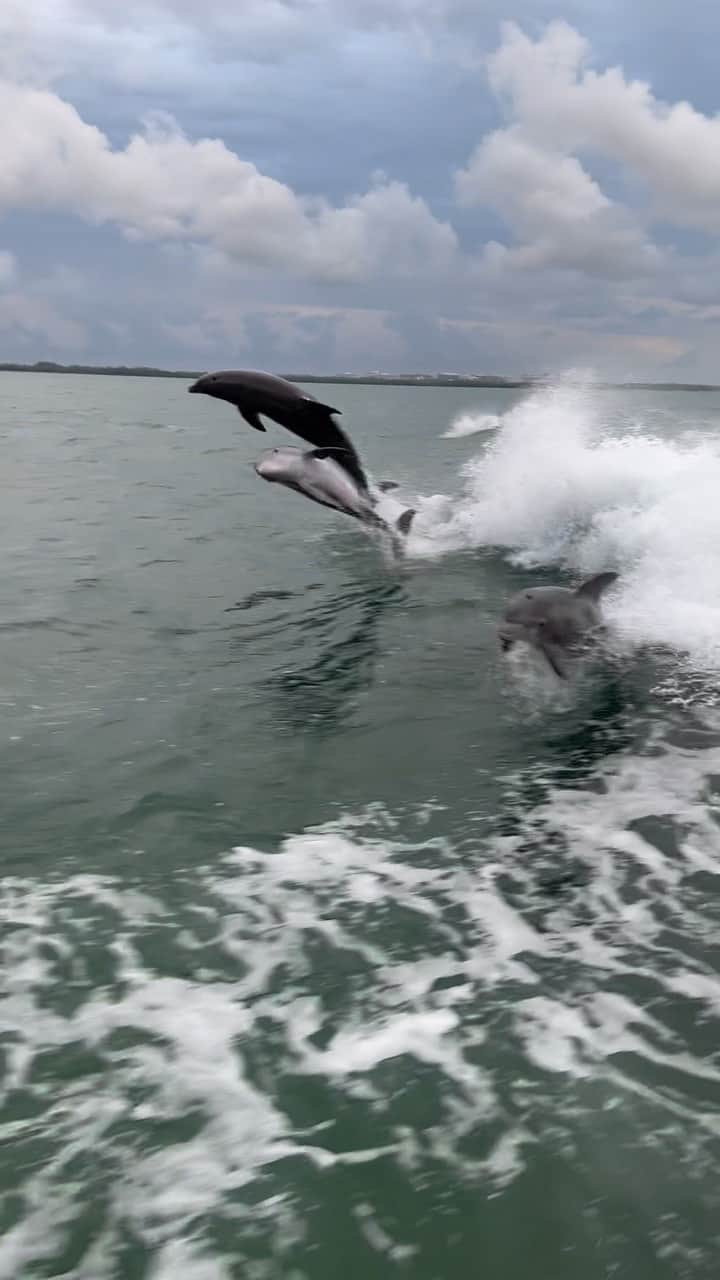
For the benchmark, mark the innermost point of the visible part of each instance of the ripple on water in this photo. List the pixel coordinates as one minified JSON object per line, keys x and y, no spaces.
{"x":370,"y":1029}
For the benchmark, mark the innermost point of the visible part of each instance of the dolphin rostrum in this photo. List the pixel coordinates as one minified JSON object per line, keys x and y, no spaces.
{"x":254,"y":393}
{"x":555,"y":620}
{"x":320,"y":476}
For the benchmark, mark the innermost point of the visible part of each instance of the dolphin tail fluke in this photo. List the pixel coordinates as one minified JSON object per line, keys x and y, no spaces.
{"x":594,"y":587}
{"x":402,"y":524}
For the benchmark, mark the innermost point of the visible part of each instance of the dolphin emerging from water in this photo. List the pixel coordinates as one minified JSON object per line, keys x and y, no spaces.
{"x":254,"y":393}
{"x":555,"y":620}
{"x":322,"y":477}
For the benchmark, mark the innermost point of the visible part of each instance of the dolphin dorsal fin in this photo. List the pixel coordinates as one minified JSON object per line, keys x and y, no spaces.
{"x":594,"y":587}
{"x":330,"y":451}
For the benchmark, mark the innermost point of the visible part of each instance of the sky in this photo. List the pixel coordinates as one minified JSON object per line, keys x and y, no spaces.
{"x":352,"y":185}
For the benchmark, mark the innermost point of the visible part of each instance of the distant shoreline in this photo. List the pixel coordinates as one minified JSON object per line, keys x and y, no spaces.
{"x":481,"y":381}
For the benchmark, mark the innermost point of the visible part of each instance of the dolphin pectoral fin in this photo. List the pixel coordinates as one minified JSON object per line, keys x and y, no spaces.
{"x":594,"y":587}
{"x":402,"y":524}
{"x":386,"y":485}
{"x":251,"y":418}
{"x":555,"y":657}
{"x":332,"y":506}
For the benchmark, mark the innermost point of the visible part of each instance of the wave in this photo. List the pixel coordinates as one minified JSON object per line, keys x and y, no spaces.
{"x":368,"y":970}
{"x":569,"y":481}
{"x":470,"y":424}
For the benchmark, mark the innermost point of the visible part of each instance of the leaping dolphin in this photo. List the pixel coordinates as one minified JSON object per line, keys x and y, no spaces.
{"x":320,"y":476}
{"x":254,"y":393}
{"x":555,"y":619}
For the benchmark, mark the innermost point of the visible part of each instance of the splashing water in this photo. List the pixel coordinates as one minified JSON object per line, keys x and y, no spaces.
{"x":471,"y":424}
{"x":326,"y":947}
{"x":561,"y":486}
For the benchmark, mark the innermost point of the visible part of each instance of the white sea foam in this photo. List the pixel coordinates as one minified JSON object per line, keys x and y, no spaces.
{"x":472,"y":424}
{"x":569,"y":481}
{"x":368,"y":965}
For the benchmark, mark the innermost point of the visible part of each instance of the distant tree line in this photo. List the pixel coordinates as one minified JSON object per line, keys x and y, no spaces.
{"x":362,"y":379}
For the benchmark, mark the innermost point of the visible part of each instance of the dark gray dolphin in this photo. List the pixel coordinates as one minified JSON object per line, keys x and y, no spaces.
{"x":319,"y":476}
{"x":254,"y":393}
{"x":555,"y":619}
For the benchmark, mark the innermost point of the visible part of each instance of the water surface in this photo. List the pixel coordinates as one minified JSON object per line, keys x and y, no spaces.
{"x":331,"y":940}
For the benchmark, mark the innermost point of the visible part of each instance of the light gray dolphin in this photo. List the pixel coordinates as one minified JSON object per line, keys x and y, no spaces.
{"x":555,"y":620}
{"x":321,"y":477}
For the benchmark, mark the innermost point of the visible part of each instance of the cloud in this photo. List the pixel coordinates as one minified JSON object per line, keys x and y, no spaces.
{"x":557,"y":210}
{"x":342,"y":335}
{"x":557,"y":346}
{"x":163,"y":186}
{"x":40,"y":308}
{"x":664,"y":350}
{"x":559,"y":101}
{"x":8,"y":266}
{"x":54,"y":38}
{"x":531,"y":202}
{"x":532,"y":172}
{"x":28,"y":317}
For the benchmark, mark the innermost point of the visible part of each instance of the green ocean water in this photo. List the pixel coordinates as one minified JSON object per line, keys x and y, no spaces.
{"x":333,"y":942}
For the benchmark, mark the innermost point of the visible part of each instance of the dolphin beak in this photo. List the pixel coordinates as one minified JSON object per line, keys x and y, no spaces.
{"x":195,"y":386}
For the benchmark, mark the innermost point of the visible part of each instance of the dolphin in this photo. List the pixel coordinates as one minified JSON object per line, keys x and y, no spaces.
{"x":555,"y":620}
{"x":321,"y":477}
{"x":254,"y":393}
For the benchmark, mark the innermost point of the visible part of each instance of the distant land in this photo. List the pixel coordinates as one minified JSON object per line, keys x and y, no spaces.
{"x":362,"y":379}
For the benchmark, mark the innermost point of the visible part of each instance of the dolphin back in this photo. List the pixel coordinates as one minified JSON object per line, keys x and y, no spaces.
{"x":281,"y":390}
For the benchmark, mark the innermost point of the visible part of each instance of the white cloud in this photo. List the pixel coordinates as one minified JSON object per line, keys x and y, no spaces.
{"x":560,"y":216}
{"x":163,"y":186}
{"x":560,"y":102}
{"x":563,"y":117}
